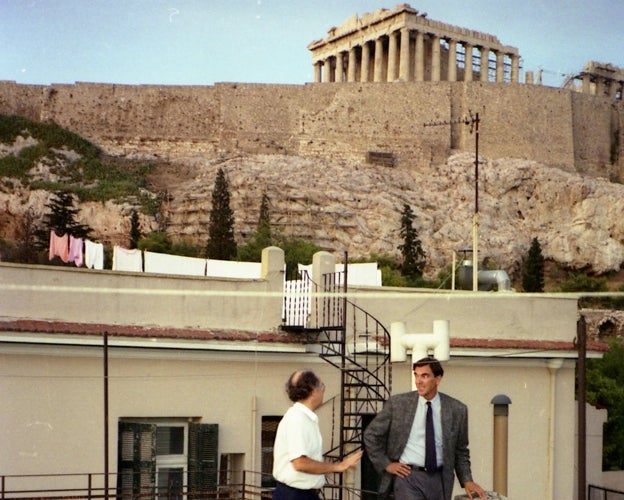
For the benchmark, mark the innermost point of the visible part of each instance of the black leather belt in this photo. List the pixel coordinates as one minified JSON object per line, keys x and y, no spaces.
{"x":424,"y":469}
{"x":313,"y":491}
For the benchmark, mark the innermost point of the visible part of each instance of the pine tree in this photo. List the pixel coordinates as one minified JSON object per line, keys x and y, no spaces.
{"x":61,"y":219}
{"x":533,"y":276}
{"x":135,"y":230}
{"x":221,"y":244}
{"x":411,"y":249}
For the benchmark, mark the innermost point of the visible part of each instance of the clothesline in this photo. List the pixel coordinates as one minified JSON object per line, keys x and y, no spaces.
{"x":77,"y":250}
{"x":83,"y":251}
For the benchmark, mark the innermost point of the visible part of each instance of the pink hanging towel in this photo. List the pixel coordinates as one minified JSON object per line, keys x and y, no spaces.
{"x":75,"y":251}
{"x":59,"y":246}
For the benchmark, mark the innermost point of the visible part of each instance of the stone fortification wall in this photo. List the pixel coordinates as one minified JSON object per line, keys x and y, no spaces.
{"x":338,"y":121}
{"x":597,"y":123}
{"x":22,"y":100}
{"x":127,"y":119}
{"x":519,"y":121}
{"x":360,"y":118}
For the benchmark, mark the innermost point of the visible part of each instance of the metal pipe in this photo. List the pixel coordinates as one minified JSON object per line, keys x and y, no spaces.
{"x":581,"y":340}
{"x":553,"y":365}
{"x":501,"y":443}
{"x":106,"y":471}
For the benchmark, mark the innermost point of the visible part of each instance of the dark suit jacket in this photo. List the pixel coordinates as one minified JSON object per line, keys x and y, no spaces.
{"x":386,"y":436}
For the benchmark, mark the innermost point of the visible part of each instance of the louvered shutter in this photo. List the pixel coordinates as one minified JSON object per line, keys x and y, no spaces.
{"x":203,"y":455}
{"x":136,"y":461}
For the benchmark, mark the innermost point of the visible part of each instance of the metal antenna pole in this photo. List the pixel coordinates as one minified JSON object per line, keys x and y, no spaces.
{"x":473,"y":121}
{"x":475,"y":222}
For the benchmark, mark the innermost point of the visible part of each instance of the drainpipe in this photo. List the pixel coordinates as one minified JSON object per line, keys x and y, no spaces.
{"x":553,"y":366}
{"x":501,"y":443}
{"x":254,"y":423}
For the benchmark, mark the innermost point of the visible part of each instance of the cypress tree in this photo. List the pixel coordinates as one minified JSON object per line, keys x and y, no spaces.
{"x":135,"y":230}
{"x":411,"y":249}
{"x":221,"y":244}
{"x":533,"y":276}
{"x":263,"y":231}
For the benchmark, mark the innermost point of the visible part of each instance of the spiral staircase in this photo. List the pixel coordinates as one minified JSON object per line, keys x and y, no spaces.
{"x":358,"y":345}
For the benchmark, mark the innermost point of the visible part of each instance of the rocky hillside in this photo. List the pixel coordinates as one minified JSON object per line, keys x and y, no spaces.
{"x":355,"y":207}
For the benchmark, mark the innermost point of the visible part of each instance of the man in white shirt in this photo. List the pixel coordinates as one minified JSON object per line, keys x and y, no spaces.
{"x":298,"y":465}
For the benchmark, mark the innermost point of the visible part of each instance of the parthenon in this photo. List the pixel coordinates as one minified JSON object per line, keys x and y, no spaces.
{"x":404,"y":45}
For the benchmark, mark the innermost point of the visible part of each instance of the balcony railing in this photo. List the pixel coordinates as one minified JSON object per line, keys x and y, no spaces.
{"x":92,"y":486}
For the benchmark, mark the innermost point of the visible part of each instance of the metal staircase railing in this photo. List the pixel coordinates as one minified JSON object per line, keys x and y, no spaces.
{"x":358,"y":345}
{"x":354,"y":342}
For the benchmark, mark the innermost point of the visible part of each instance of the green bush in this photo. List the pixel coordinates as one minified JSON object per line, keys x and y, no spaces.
{"x":584,"y":283}
{"x":14,"y":166}
{"x":157,"y":241}
{"x":31,"y":154}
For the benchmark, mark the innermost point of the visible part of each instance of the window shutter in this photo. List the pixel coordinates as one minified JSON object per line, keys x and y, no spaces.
{"x":136,"y":462}
{"x":203,"y":454}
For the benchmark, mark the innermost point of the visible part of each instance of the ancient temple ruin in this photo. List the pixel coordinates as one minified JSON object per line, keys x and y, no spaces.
{"x":601,"y":79}
{"x":403,"y":44}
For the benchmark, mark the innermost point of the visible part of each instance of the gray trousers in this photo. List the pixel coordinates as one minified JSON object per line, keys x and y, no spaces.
{"x":419,"y":485}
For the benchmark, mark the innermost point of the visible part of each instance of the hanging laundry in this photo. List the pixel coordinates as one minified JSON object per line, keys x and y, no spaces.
{"x":127,"y":260}
{"x":59,"y":246}
{"x":94,"y":255}
{"x":174,"y":264}
{"x":75,"y":251}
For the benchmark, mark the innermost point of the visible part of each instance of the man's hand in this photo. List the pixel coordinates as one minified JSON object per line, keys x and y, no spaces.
{"x":349,"y":461}
{"x":398,"y":469}
{"x":473,"y":490}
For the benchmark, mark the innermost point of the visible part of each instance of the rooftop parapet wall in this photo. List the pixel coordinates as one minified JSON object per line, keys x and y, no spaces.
{"x":49,"y":293}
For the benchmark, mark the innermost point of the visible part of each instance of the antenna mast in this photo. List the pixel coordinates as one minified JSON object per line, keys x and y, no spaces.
{"x":473,"y":121}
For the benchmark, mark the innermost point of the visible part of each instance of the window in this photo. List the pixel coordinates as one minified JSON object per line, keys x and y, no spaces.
{"x":269,"y":429}
{"x":231,"y":475}
{"x":157,"y":457}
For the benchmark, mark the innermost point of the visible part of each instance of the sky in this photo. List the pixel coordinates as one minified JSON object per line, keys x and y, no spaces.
{"x":200,"y":42}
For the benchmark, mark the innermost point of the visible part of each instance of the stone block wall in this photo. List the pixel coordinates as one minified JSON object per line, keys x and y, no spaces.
{"x":598,"y":136}
{"x":22,"y":100}
{"x":519,"y":121}
{"x":340,"y":121}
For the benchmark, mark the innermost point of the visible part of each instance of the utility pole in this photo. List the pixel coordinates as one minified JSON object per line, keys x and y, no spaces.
{"x":473,"y":121}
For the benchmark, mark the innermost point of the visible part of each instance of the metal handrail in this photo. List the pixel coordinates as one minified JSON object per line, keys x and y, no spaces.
{"x":250,"y":488}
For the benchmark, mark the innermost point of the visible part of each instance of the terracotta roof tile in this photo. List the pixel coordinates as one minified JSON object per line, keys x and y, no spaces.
{"x":69,"y":328}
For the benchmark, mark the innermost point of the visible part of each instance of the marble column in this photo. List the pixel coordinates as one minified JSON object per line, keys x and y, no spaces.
{"x":435,"y":58}
{"x":515,"y":68}
{"x":365,"y":70}
{"x":392,"y":56}
{"x":500,"y":66}
{"x":352,"y":65}
{"x":339,"y":67}
{"x":318,"y":65}
{"x":467,"y":62}
{"x":586,"y":84}
{"x":379,"y":61}
{"x":485,"y":66}
{"x":419,"y":57}
{"x":613,"y":88}
{"x":327,"y":70}
{"x":404,"y":59}
{"x":452,"y":61}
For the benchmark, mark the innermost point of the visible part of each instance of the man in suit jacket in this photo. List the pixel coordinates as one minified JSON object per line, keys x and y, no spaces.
{"x":395,"y":441}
